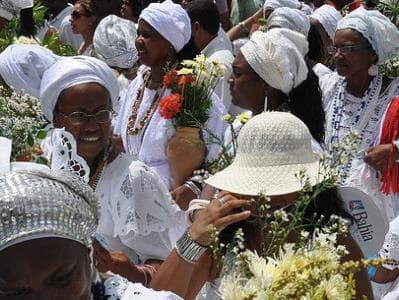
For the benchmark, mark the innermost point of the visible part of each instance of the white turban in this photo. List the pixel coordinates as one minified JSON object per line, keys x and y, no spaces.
{"x":380,"y":32}
{"x":73,"y":71}
{"x":22,"y":67}
{"x":11,"y":8}
{"x":114,"y":42}
{"x":289,"y":18}
{"x":170,"y":20}
{"x":277,"y":56}
{"x":328,"y":17}
{"x":274,"y":4}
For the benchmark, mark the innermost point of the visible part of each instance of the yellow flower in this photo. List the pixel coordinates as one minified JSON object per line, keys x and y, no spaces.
{"x":244,"y":118}
{"x":227,"y":117}
{"x":185,"y":71}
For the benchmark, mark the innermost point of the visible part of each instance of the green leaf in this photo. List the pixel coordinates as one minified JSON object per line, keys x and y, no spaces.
{"x":41,"y":134}
{"x":30,"y":140}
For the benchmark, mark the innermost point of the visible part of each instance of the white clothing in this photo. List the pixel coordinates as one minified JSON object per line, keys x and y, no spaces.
{"x":63,"y":25}
{"x":149,"y":145}
{"x":137,"y":211}
{"x":366,"y":116}
{"x":119,"y":288}
{"x":219,"y":50}
{"x":321,"y":70}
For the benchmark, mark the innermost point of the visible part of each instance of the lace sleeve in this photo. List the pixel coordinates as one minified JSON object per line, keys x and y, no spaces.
{"x":119,"y":288}
{"x":390,"y":248}
{"x":143,"y":204}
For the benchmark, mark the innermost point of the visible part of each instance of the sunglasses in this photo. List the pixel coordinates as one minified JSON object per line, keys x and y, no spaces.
{"x":76,"y":15}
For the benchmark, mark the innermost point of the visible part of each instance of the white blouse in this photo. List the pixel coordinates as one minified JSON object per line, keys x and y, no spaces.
{"x":149,"y":145}
{"x":138,"y":216}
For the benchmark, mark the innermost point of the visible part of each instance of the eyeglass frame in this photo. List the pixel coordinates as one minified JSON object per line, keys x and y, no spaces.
{"x":344,"y":50}
{"x":76,"y":15}
{"x":87,"y":117}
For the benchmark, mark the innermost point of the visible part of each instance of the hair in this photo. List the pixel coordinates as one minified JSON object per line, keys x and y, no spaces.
{"x":97,"y":8}
{"x":305,"y":102}
{"x":189,"y":51}
{"x":322,"y":207}
{"x":316,"y":47}
{"x":27,"y":23}
{"x":205,"y":12}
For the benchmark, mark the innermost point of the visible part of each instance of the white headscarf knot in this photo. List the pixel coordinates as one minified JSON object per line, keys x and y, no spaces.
{"x":289,"y":18}
{"x":277,"y":56}
{"x":73,"y":71}
{"x":22,"y":67}
{"x":380,"y":32}
{"x":114,"y":42}
{"x":328,"y":17}
{"x":170,"y":20}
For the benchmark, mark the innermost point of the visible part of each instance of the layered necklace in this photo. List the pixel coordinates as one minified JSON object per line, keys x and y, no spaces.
{"x":132,"y":129}
{"x":95,"y":178}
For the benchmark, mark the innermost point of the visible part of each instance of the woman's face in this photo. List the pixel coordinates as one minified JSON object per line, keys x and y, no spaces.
{"x":357,"y":60}
{"x":247,"y":89}
{"x":153,"y":49}
{"x":45,"y":269}
{"x":127,"y":11}
{"x":81,"y":20}
{"x":91,"y":136}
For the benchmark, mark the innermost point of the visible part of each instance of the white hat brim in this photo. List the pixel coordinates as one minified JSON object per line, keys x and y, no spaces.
{"x":269,"y":180}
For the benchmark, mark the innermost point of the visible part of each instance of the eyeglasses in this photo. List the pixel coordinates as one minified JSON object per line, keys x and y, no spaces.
{"x":332,"y":50}
{"x":76,"y":15}
{"x":79,"y":117}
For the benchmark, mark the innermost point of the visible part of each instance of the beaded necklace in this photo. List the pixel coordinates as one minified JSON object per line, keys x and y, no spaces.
{"x":364,"y":118}
{"x":99,"y":169}
{"x":131,"y":128}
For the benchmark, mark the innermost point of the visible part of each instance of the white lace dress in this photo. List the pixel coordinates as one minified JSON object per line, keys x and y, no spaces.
{"x":119,"y":288}
{"x":149,"y":145}
{"x":138,"y":215}
{"x":345,"y":112}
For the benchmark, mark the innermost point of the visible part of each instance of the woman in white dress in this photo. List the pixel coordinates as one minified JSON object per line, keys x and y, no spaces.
{"x":164,"y":32}
{"x":138,"y":217}
{"x":356,"y":97}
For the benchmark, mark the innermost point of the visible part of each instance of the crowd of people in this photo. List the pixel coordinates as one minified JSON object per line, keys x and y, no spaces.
{"x":107,"y":219}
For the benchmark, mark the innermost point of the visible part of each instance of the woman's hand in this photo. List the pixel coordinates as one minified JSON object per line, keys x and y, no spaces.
{"x":220,"y":213}
{"x":377,"y":156}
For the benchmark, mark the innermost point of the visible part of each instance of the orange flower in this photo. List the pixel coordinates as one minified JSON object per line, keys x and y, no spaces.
{"x":169,"y":78}
{"x":186,"y":79}
{"x":170,"y":106}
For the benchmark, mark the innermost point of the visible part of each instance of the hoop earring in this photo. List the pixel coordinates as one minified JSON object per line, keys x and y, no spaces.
{"x":373,"y":70}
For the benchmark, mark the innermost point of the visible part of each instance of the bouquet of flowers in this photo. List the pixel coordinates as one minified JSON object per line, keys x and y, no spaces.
{"x":191,"y":86}
{"x":22,"y":121}
{"x":314,"y":272}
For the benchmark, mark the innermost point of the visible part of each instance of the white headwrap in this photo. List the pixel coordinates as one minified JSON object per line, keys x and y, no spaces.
{"x":11,"y":8}
{"x":328,"y":17}
{"x":290,"y":18}
{"x":73,"y":71}
{"x":380,"y":32}
{"x":114,"y":42}
{"x":274,"y":4}
{"x":22,"y":67}
{"x":170,"y":20}
{"x":277,"y":56}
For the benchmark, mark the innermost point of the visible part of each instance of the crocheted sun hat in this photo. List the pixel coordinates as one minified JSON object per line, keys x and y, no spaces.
{"x":273,"y":148}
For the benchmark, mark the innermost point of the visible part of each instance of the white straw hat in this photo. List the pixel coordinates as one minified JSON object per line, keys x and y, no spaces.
{"x":273,"y":147}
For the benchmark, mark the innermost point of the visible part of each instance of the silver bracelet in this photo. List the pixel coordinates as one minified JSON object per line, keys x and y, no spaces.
{"x":188,"y":249}
{"x":192,"y":186}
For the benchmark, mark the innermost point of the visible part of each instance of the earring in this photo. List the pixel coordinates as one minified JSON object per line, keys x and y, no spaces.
{"x":265,"y":107}
{"x":373,"y":70}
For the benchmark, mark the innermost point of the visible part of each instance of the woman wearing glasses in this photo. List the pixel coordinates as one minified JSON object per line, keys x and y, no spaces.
{"x":137,"y":214}
{"x":357,"y":96}
{"x":85,"y":17}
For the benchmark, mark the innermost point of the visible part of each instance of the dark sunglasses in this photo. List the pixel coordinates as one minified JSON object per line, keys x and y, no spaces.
{"x":76,"y":15}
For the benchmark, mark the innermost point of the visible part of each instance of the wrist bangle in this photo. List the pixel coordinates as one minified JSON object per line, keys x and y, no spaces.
{"x":188,"y":249}
{"x":193,"y":187}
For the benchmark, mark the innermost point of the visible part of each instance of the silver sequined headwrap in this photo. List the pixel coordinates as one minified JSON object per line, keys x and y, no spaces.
{"x":37,"y":204}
